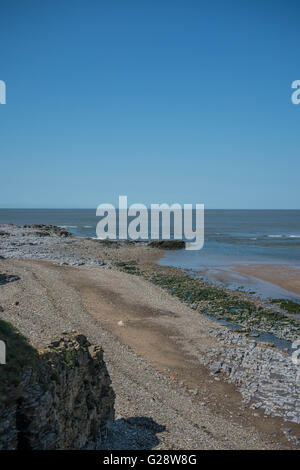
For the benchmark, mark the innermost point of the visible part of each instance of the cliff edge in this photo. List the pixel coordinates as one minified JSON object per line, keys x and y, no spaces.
{"x":56,"y":398}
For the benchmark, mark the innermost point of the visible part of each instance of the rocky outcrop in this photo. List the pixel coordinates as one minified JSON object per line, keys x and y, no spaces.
{"x":167,"y":244}
{"x":48,"y":230}
{"x":266,"y":377}
{"x":6,"y":278}
{"x":63,"y":400}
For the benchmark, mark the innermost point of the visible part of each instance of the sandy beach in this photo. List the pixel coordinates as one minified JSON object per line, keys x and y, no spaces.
{"x":161,"y":352}
{"x":283,"y":276}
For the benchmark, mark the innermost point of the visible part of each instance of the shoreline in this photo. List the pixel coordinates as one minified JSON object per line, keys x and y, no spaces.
{"x":116,"y":291}
{"x":284,"y":276}
{"x":231,"y":307}
{"x":264,"y":280}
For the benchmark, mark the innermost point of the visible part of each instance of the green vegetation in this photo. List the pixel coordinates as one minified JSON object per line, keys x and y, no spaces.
{"x":69,"y":359}
{"x":167,"y":244}
{"x":128,"y":267}
{"x":223,"y":305}
{"x":188,"y":289}
{"x":287,"y":305}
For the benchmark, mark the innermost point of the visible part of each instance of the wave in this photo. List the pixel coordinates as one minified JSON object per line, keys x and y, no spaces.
{"x":283,"y":236}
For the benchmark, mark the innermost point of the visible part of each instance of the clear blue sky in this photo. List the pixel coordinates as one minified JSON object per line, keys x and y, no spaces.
{"x":161,"y":100}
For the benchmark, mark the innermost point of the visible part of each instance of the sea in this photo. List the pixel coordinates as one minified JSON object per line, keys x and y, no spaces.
{"x":231,"y":237}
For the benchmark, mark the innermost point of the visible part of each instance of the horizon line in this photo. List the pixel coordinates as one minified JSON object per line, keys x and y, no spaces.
{"x":148,"y":207}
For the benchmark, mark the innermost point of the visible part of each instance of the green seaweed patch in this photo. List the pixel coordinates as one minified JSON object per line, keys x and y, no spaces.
{"x":242,"y":312}
{"x":222,"y":305}
{"x":236,"y":306}
{"x":188,"y":289}
{"x":167,"y":244}
{"x":287,"y":305}
{"x":129,"y":267}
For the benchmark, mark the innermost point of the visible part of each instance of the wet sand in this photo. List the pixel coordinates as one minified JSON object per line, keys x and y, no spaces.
{"x":286,"y":277}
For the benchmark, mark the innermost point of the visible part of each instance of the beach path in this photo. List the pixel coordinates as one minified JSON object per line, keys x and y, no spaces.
{"x":152,"y":344}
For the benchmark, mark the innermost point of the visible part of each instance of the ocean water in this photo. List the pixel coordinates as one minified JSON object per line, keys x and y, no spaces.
{"x":81,"y":222}
{"x":244,"y":237}
{"x":231,"y":237}
{"x":248,"y":236}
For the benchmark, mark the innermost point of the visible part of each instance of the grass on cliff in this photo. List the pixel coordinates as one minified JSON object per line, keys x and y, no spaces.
{"x":19,"y":354}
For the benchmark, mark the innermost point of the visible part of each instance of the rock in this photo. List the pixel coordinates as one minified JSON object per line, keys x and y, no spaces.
{"x":262,"y":374}
{"x":216,"y":367}
{"x":254,"y":406}
{"x":42,"y":234}
{"x":64,"y":402}
{"x":265,"y":344}
{"x":167,"y":244}
{"x":47,"y":230}
{"x":6,"y":278}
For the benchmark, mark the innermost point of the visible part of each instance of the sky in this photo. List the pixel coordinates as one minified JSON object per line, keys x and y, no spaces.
{"x":161,"y":100}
